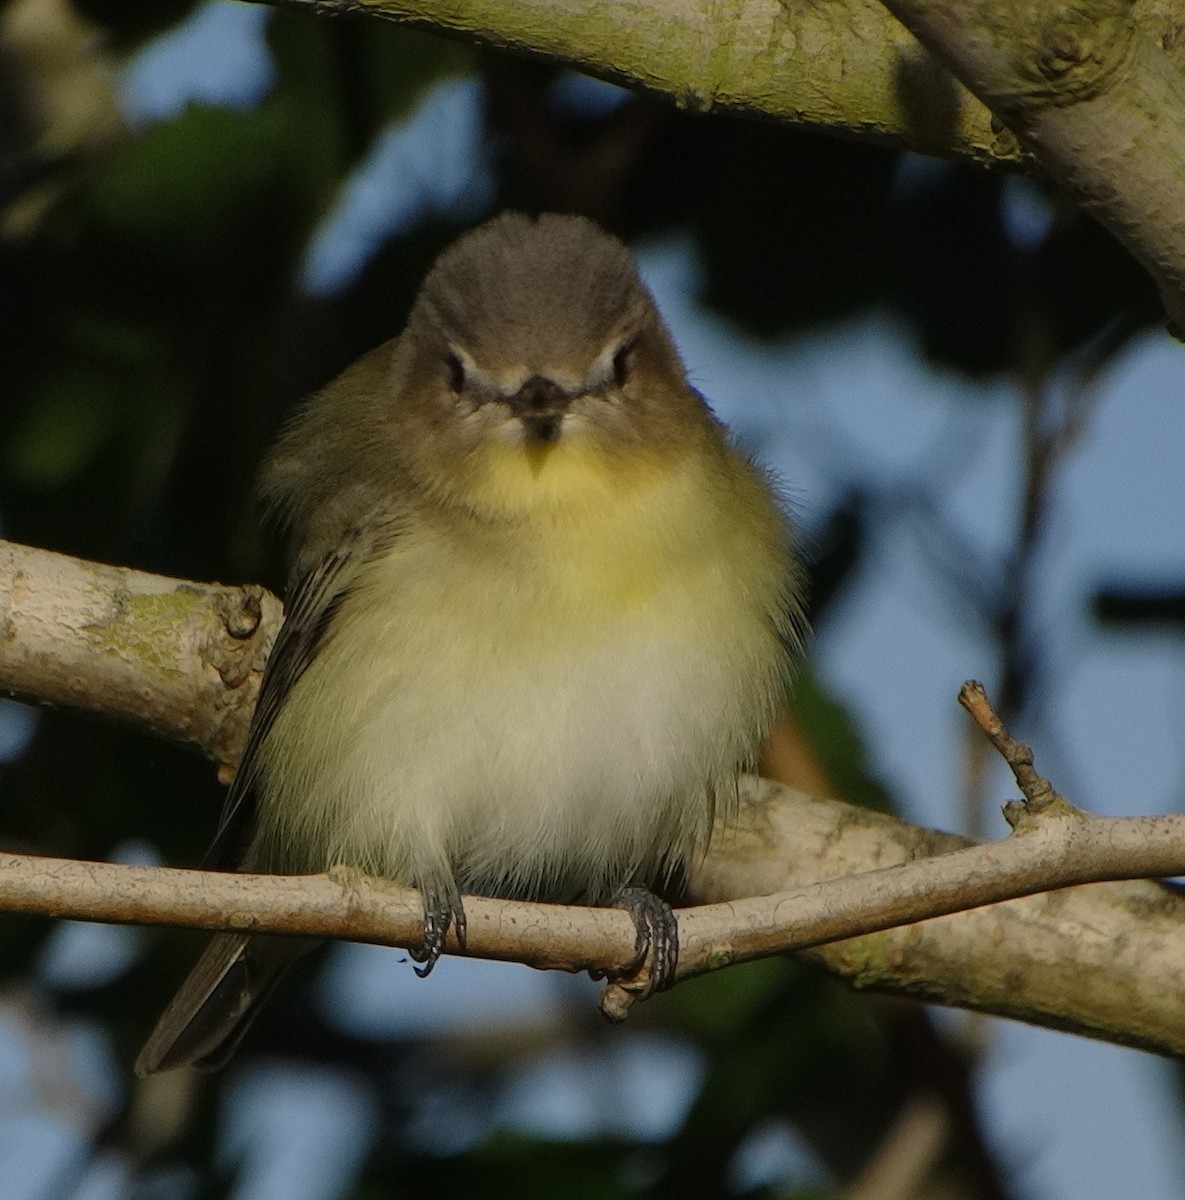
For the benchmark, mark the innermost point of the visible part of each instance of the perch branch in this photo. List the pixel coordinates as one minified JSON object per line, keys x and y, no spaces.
{"x":1056,"y":852}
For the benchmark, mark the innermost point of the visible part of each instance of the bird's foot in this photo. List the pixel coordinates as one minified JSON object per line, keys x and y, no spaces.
{"x":442,"y":908}
{"x":657,"y":942}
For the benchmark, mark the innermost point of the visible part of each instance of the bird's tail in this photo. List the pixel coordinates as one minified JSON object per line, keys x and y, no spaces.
{"x":206,"y":1019}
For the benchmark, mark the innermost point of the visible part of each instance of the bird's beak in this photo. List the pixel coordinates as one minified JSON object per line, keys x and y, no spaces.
{"x":540,"y":404}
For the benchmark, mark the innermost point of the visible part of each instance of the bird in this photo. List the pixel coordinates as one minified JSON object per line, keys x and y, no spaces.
{"x":540,"y":613}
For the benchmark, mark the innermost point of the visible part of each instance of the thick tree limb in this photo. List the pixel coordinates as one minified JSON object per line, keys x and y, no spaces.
{"x":1103,"y":960}
{"x":1095,"y":91}
{"x":840,"y":65}
{"x":181,"y":660}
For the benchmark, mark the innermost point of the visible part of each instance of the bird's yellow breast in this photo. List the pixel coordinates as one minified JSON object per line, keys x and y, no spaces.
{"x":604,"y":532}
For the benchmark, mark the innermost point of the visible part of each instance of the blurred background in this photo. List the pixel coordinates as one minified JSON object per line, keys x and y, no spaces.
{"x":206,"y":211}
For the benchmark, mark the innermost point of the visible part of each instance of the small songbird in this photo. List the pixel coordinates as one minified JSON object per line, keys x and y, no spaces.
{"x":540,"y":614}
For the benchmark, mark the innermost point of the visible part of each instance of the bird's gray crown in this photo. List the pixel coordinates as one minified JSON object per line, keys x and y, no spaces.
{"x":532,"y":294}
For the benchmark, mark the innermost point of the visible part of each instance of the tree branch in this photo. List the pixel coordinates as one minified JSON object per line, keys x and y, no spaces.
{"x":841,"y":65}
{"x":180,"y":660}
{"x":1103,"y":960}
{"x":1056,"y":851}
{"x":1094,"y":90}
{"x":1036,"y":789}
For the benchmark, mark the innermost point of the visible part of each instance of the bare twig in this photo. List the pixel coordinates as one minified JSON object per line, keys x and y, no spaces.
{"x":1037,"y":790}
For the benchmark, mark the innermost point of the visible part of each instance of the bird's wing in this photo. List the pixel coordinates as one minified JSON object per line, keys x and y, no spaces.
{"x":312,"y":601}
{"x":213,"y":1008}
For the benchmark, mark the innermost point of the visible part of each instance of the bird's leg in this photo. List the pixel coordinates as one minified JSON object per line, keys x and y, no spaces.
{"x":658,"y":936}
{"x":442,"y":908}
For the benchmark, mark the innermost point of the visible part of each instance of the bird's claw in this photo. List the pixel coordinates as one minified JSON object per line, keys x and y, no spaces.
{"x":442,"y":908}
{"x":657,"y":939}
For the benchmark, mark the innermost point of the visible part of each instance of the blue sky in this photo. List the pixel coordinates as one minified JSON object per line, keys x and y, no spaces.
{"x":1074,"y":1120}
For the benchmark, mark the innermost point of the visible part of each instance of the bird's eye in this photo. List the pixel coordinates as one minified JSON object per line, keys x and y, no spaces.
{"x":456,"y":371}
{"x":622,"y":361}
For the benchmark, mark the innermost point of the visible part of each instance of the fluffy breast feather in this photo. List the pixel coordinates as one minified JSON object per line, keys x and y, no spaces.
{"x":548,"y":711}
